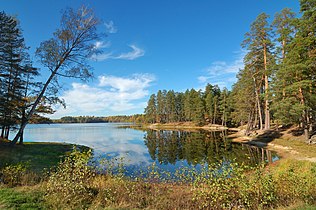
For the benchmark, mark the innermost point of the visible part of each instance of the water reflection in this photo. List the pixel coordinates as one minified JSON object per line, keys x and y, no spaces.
{"x":104,"y":138}
{"x":170,"y":147}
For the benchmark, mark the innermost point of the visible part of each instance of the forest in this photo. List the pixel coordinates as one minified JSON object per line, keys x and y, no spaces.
{"x":276,"y":86}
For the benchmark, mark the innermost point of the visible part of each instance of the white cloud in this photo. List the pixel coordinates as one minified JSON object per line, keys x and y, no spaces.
{"x":110,"y":27}
{"x":135,"y":53}
{"x":102,"y":56}
{"x":223,"y":73}
{"x":136,"y":82}
{"x":132,"y":55}
{"x":100,"y":45}
{"x":203,"y":79}
{"x":112,"y":94}
{"x":222,"y":67}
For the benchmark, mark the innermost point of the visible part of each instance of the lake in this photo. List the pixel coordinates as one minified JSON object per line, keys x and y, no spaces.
{"x":170,"y":150}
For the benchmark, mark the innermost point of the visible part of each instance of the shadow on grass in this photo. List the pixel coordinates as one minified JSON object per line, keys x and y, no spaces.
{"x":37,"y":155}
{"x":297,"y":132}
{"x":268,"y":136}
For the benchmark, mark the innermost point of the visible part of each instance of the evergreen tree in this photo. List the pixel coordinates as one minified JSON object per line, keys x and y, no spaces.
{"x":224,"y":107}
{"x":170,"y":106}
{"x":258,"y":43}
{"x":151,"y":110}
{"x":208,"y":99}
{"x":15,"y":71}
{"x":199,"y":109}
{"x":244,"y":100}
{"x":284,"y":108}
{"x":284,"y":27}
{"x":188,"y":105}
{"x":297,"y":72}
{"x":179,"y":107}
{"x":161,"y":106}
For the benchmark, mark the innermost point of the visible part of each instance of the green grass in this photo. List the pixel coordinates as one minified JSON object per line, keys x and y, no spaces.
{"x":15,"y":198}
{"x":38,"y":155}
{"x":298,"y":206}
{"x":298,"y":145}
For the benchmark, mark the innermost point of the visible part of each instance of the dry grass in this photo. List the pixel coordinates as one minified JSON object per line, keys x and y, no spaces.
{"x":288,"y":183}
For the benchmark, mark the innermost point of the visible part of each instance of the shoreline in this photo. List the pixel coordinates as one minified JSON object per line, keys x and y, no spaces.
{"x":286,"y":146}
{"x":181,"y":126}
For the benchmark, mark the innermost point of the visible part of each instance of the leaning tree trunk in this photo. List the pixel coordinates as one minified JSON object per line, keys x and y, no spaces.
{"x":30,"y":114}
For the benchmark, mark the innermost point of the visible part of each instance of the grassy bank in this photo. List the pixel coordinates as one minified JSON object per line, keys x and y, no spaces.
{"x":290,"y":183}
{"x":36,"y":155}
{"x":75,"y":185}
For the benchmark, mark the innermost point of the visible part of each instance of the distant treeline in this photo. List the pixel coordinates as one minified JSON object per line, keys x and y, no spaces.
{"x":200,"y":107}
{"x":92,"y":119}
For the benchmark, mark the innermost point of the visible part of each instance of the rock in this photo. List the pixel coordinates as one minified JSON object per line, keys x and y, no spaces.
{"x":312,"y":139}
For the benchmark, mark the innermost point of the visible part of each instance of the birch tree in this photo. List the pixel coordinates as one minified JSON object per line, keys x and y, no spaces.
{"x":66,"y":53}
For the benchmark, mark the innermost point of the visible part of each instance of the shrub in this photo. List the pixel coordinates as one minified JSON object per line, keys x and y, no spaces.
{"x":231,"y":185}
{"x":70,"y":184}
{"x":18,"y":175}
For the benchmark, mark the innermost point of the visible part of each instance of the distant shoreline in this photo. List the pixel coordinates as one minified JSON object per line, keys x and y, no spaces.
{"x":181,"y":126}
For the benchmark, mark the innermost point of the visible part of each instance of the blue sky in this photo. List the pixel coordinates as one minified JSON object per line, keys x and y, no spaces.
{"x":151,"y":45}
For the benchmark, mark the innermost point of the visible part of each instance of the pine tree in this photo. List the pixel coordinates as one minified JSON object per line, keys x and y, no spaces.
{"x":161,"y":106}
{"x":188,"y":105}
{"x":284,"y":107}
{"x":244,"y":100}
{"x":15,"y":67}
{"x":258,"y":43}
{"x":224,"y":109}
{"x":297,"y":72}
{"x":170,"y":106}
{"x":151,"y":110}
{"x":179,"y":107}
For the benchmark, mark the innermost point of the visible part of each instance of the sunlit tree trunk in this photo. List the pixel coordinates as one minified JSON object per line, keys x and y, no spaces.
{"x":266,"y":91}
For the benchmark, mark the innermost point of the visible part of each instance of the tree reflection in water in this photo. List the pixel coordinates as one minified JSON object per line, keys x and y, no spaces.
{"x":170,"y":147}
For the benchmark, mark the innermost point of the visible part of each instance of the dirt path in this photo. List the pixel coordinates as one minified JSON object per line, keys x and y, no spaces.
{"x":283,"y":151}
{"x":289,"y":152}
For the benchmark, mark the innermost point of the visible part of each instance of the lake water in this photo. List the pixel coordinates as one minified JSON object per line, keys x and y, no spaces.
{"x":168,"y":149}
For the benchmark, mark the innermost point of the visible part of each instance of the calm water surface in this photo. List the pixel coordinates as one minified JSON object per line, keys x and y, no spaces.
{"x":169,"y":149}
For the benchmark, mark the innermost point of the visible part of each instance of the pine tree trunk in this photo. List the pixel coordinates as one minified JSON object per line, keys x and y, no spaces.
{"x":215,"y":110}
{"x":283,"y":56}
{"x":249,"y":124}
{"x":266,"y":90}
{"x":2,"y":131}
{"x":304,"y":115}
{"x":258,"y":105}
